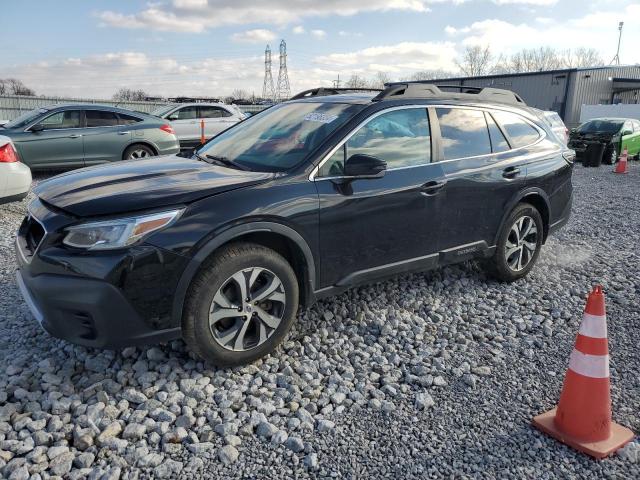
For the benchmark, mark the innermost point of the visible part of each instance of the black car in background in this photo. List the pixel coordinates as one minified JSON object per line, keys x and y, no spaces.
{"x":301,"y":201}
{"x":615,"y":133}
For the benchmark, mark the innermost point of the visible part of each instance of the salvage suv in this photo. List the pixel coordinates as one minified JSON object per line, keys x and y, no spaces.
{"x":301,"y":201}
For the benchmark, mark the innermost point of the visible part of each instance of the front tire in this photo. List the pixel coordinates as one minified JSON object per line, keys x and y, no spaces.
{"x":518,"y":245}
{"x":610,"y":156}
{"x":240,"y":305}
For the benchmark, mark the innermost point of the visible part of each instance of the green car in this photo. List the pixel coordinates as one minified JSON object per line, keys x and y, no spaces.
{"x":71,"y":136}
{"x":616,"y":133}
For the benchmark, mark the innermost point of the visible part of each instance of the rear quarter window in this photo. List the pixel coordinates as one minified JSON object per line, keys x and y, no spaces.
{"x":520,"y":132}
{"x":128,"y":119}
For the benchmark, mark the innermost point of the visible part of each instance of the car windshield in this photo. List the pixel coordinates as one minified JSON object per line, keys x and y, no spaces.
{"x":25,"y":119}
{"x":600,"y":126}
{"x":158,"y":112}
{"x":280,"y":137}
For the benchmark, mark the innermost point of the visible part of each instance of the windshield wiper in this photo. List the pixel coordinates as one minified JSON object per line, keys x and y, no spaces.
{"x":226,"y":162}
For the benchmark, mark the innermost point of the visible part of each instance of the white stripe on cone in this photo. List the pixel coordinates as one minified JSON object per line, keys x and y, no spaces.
{"x":593,"y":366}
{"x":594,"y":326}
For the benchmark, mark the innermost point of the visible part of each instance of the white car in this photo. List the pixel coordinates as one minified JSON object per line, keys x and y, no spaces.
{"x":15,"y":177}
{"x":185,"y":118}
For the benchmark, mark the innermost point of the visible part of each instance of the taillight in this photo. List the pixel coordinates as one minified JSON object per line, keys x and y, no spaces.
{"x":168,"y":129}
{"x":8,"y":154}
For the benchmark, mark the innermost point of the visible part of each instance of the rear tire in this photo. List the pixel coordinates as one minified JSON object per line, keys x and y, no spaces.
{"x":138,"y":152}
{"x":518,"y":245}
{"x":240,"y":305}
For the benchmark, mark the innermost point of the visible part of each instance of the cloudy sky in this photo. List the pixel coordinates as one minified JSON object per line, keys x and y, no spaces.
{"x":90,"y":48}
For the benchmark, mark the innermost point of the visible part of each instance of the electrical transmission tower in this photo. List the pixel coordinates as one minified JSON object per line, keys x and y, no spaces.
{"x":268,"y":93}
{"x":284,"y":90}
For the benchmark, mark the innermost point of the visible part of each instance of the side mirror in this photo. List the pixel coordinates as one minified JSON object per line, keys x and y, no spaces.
{"x":38,"y":127}
{"x":173,"y":116}
{"x":364,"y":166}
{"x":626,"y":132}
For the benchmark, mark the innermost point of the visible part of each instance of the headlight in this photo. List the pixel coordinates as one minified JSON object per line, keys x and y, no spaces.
{"x":118,"y":233}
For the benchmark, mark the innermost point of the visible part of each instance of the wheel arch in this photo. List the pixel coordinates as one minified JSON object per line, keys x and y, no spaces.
{"x":281,"y":238}
{"x":534,"y":196}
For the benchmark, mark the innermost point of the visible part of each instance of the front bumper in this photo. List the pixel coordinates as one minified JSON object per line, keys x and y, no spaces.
{"x":86,"y":312}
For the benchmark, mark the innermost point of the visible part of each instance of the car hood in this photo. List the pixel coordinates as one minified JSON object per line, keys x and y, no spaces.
{"x":141,"y":184}
{"x":591,"y":136}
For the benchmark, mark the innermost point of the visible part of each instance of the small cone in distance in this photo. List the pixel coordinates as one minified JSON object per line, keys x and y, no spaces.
{"x":621,"y":166}
{"x":582,"y":419}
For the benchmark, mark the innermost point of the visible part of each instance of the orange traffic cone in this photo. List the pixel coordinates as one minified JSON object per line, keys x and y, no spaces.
{"x":621,"y":167}
{"x":202,"y":137}
{"x":582,"y":419}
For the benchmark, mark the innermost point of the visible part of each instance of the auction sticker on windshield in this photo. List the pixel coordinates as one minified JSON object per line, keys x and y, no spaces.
{"x":320,"y":117}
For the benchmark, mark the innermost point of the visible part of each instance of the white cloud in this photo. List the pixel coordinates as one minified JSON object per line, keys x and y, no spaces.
{"x":298,"y":30}
{"x":319,"y":33}
{"x":258,"y":35}
{"x":596,"y":30}
{"x":538,"y":3}
{"x":200,"y":15}
{"x":402,"y":58}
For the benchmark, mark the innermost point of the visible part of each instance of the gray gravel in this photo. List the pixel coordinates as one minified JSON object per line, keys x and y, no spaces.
{"x":430,"y":375}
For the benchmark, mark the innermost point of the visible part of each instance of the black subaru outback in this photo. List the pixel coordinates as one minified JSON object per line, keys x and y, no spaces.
{"x":301,"y":201}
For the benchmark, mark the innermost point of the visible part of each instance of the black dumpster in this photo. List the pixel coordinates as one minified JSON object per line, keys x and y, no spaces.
{"x":593,"y":154}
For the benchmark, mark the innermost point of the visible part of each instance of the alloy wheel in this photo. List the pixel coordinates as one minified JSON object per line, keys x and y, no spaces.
{"x":139,"y":153}
{"x":247,"y":309}
{"x":521,"y":243}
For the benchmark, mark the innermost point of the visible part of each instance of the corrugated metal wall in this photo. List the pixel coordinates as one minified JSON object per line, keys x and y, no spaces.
{"x":595,"y":87}
{"x":12,"y":106}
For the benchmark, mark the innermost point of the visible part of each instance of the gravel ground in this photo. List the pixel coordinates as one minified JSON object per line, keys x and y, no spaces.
{"x":429,"y":375}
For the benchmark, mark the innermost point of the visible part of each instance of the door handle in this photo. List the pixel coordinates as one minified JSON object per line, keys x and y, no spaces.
{"x":75,"y":135}
{"x":432,"y":187}
{"x":511,"y":172}
{"x":124,"y":133}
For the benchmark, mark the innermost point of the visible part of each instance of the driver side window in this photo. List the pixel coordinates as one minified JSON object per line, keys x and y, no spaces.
{"x":401,"y":138}
{"x":64,"y":119}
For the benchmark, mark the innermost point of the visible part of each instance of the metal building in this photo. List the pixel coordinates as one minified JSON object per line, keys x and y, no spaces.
{"x":564,"y":91}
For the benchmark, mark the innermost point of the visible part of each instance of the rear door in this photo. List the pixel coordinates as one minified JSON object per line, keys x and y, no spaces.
{"x":185,"y":122}
{"x":58,"y":144}
{"x":483,"y":172}
{"x":216,"y":119}
{"x":105,"y":139}
{"x":372,"y":227}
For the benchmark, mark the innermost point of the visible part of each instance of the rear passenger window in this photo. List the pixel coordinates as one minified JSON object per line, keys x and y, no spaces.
{"x":213,"y":112}
{"x":520,"y":132}
{"x":99,"y":118}
{"x":498,"y":142}
{"x":128,"y":119}
{"x":464,"y":133}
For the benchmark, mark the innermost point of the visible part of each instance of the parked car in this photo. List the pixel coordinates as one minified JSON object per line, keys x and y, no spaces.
{"x":186,"y":120}
{"x":616,"y":133}
{"x":71,"y":136}
{"x":298,"y":202}
{"x":15,"y":176}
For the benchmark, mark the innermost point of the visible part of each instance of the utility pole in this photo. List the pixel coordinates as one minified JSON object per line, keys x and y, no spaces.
{"x":616,"y":59}
{"x":336,"y":83}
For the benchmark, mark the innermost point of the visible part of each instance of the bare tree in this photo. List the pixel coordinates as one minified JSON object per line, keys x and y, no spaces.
{"x":12,"y":86}
{"x":239,"y":94}
{"x":431,"y":75}
{"x":476,"y":61}
{"x":356,"y":81}
{"x":582,"y":57}
{"x":545,"y":58}
{"x":128,"y":94}
{"x":379,"y":80}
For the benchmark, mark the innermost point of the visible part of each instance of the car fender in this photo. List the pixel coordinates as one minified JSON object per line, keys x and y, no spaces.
{"x":517,"y":198}
{"x":226,"y":236}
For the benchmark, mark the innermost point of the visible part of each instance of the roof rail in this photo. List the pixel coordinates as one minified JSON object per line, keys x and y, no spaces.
{"x":325,"y":91}
{"x":423,"y":89}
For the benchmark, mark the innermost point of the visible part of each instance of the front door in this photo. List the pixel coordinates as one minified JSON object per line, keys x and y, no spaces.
{"x":372,"y":227}
{"x":105,"y":140}
{"x":186,"y":124}
{"x":57,"y":145}
{"x":631,"y":137}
